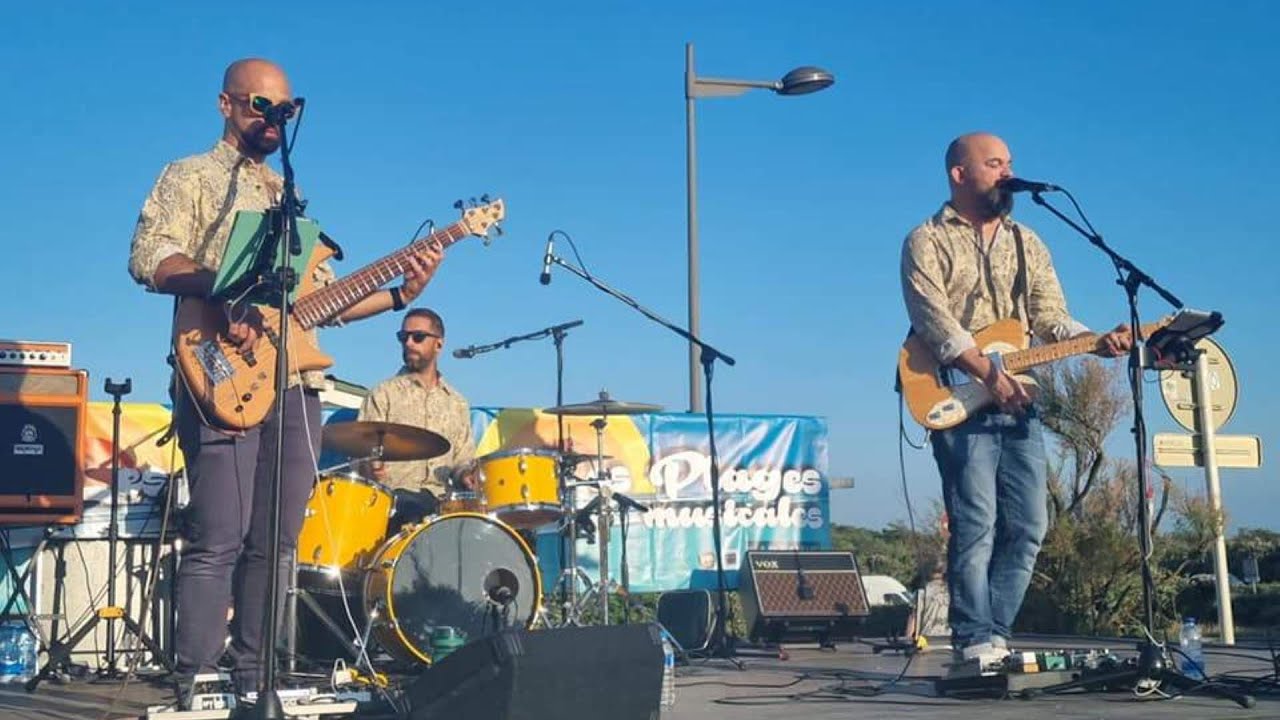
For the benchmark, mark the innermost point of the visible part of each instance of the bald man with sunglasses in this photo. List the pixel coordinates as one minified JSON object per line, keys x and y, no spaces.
{"x":177,"y":247}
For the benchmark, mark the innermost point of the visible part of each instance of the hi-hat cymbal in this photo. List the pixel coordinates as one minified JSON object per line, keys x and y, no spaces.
{"x":387,"y":440}
{"x":604,"y":405}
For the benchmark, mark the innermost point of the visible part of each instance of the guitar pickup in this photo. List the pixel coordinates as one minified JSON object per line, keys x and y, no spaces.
{"x":214,"y":362}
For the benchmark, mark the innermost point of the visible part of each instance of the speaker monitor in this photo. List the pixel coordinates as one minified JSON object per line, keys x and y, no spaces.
{"x":802,"y":595}
{"x":42,"y":418}
{"x":689,"y":615}
{"x":610,"y":672}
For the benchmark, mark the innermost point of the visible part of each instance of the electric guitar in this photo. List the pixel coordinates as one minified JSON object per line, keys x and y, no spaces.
{"x":236,"y":391}
{"x":940,"y":396}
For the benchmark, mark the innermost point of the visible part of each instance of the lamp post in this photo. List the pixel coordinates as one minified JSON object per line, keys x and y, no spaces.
{"x":800,"y":81}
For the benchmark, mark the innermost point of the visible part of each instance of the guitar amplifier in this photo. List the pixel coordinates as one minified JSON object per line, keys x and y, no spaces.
{"x":42,"y":418}
{"x":802,"y":595}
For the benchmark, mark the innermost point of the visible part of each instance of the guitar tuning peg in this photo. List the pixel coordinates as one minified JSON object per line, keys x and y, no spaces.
{"x":498,"y":229}
{"x":457,"y":204}
{"x":473,"y":201}
{"x":485,"y":198}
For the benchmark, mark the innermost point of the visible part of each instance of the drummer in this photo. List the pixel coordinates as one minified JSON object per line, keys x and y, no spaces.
{"x":419,"y":395}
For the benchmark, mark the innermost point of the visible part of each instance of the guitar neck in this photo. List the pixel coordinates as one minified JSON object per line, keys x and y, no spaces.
{"x":326,"y":302}
{"x":1022,"y":360}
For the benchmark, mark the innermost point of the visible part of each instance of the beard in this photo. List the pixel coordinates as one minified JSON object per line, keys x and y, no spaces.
{"x":256,"y":138}
{"x":416,"y":362}
{"x":996,"y":202}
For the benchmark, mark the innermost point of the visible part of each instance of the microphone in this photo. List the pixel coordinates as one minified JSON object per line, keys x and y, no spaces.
{"x":464,"y":353}
{"x":545,"y":278}
{"x":283,"y":110}
{"x":1014,"y":185}
{"x":501,"y":586}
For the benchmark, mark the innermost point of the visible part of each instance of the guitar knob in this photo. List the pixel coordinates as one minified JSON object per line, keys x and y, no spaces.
{"x":485,"y":198}
{"x":457,"y":204}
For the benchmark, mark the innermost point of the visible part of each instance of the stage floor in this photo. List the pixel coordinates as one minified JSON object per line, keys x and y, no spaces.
{"x":812,"y":683}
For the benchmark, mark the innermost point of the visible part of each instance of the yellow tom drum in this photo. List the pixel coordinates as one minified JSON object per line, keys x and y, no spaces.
{"x":521,"y":486}
{"x":345,"y":522}
{"x":466,"y":571}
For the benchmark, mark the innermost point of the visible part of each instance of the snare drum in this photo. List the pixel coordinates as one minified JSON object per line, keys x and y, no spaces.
{"x":345,"y":522}
{"x":459,"y":501}
{"x":521,"y":486}
{"x":465,"y":571}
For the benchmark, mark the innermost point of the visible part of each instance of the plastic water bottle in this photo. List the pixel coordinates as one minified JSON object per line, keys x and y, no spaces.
{"x":10,"y":657}
{"x":1189,"y":641}
{"x":668,"y":672}
{"x":27,"y":651}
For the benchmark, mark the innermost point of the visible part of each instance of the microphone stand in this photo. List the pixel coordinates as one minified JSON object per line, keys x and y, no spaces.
{"x":722,"y":640}
{"x":1154,"y":664}
{"x":557,"y":333}
{"x":268,"y":705}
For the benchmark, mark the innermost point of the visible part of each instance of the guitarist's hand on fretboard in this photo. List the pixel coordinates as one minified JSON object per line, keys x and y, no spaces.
{"x":1115,"y":343}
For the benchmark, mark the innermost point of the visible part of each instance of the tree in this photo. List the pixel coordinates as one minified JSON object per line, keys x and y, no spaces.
{"x":1087,"y":577}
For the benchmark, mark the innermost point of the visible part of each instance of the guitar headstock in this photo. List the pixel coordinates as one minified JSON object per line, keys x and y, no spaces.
{"x":481,"y":216}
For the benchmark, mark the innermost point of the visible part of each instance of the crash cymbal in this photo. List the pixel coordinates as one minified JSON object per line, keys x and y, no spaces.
{"x":390,"y":441}
{"x":604,"y":405}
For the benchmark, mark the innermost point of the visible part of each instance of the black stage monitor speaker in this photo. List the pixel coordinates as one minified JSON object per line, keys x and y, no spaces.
{"x":802,"y":595}
{"x":689,"y":615}
{"x":612,"y":672}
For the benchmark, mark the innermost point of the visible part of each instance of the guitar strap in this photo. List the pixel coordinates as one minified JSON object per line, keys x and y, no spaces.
{"x":1020,"y":284}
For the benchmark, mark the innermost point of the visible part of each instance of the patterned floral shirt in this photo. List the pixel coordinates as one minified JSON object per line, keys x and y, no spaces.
{"x":955,"y":284}
{"x":191,"y":209}
{"x":440,"y":409}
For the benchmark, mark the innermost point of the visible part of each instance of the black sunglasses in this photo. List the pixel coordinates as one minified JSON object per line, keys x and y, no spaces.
{"x":260,"y":104}
{"x":417,"y":335}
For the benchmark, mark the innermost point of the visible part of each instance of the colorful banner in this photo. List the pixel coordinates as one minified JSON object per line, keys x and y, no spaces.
{"x":774,"y":492}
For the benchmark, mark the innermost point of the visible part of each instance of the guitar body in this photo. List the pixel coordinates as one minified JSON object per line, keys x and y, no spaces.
{"x":941,"y":397}
{"x":234,"y":391}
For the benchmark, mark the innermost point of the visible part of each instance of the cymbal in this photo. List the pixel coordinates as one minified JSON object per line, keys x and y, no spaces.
{"x":604,"y":405}
{"x":366,"y":438}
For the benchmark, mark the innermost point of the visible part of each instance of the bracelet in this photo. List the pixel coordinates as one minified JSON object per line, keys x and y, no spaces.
{"x":397,"y":302}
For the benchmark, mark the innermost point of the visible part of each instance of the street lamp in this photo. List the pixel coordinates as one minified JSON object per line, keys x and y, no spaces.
{"x":800,"y":81}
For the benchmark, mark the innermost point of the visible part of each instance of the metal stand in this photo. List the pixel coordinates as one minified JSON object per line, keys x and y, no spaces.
{"x":1154,"y":666}
{"x":60,"y":653}
{"x":722,"y":639}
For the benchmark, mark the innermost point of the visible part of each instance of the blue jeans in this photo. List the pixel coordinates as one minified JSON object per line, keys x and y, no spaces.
{"x":994,"y":486}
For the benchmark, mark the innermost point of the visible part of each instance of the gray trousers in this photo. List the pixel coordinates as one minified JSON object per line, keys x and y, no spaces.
{"x":224,"y":553}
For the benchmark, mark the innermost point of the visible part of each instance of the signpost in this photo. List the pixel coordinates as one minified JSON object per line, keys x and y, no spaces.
{"x":1201,"y":397}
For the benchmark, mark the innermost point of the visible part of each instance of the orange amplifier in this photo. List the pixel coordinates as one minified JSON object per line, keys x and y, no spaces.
{"x":42,"y":419}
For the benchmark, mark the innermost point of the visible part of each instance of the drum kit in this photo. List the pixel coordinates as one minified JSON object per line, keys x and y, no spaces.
{"x":466,"y":572}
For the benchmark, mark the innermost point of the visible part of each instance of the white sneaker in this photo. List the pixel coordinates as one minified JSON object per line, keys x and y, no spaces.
{"x":978,"y":659}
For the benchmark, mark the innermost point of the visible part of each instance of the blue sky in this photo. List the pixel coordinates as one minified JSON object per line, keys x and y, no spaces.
{"x":1161,"y":117}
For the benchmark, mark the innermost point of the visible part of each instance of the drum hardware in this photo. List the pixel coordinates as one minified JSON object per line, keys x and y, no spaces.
{"x":602,"y":505}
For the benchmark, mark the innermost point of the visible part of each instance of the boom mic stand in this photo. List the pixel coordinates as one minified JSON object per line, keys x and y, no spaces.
{"x":557,"y":334}
{"x":722,"y":640}
{"x":1154,"y":664}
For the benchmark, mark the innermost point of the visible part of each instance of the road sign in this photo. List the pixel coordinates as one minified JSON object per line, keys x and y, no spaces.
{"x":1179,"y":392}
{"x":1230,"y":451}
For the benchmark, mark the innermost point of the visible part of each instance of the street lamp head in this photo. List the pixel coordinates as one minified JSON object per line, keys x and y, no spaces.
{"x":804,"y":80}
